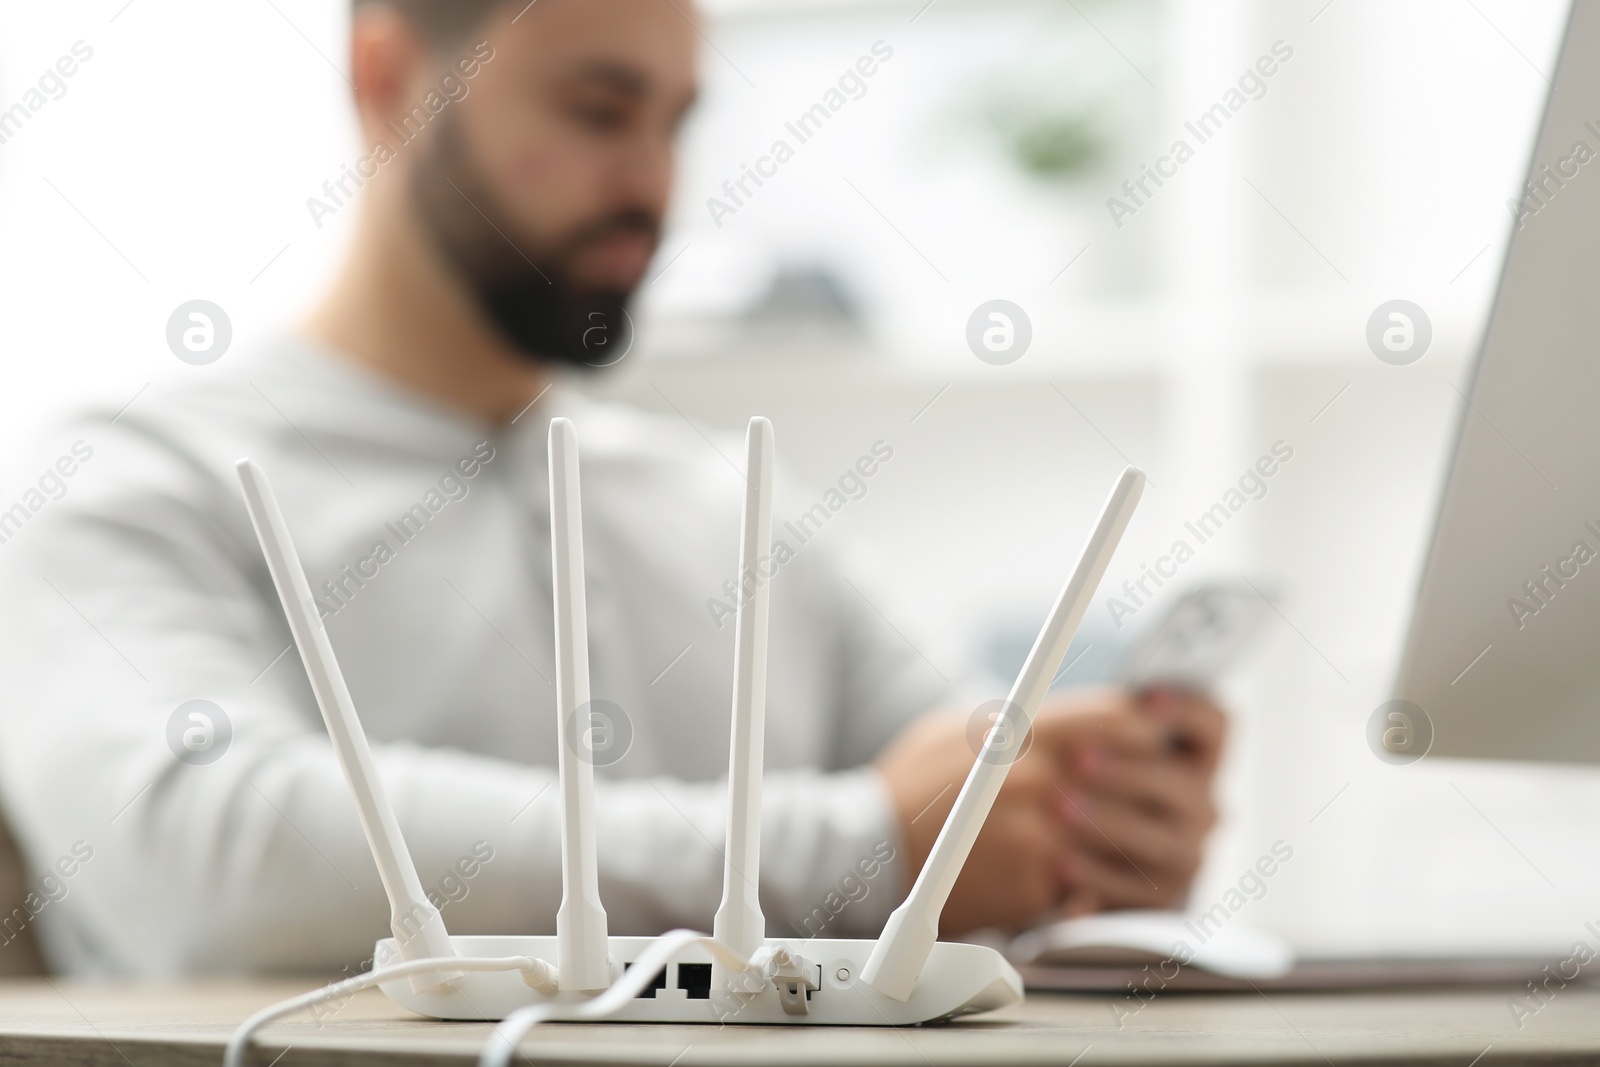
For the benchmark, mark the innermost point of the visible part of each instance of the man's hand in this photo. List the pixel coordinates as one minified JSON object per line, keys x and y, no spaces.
{"x":1139,"y":820}
{"x":1107,"y":808}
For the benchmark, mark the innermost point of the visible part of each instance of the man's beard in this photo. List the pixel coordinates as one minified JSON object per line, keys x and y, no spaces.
{"x":525,"y":290}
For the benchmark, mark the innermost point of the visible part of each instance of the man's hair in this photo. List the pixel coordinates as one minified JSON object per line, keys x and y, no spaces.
{"x":442,"y":23}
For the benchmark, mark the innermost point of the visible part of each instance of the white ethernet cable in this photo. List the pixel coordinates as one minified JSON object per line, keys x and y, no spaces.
{"x":539,"y":975}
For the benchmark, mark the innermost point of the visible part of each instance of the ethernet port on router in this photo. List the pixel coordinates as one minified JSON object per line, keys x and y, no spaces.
{"x":695,"y":980}
{"x":658,"y":982}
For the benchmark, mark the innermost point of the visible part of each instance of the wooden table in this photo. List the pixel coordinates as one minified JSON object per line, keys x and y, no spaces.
{"x":59,"y":1022}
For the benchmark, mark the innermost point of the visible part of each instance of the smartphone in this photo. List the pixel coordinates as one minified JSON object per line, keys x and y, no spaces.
{"x":1203,"y":635}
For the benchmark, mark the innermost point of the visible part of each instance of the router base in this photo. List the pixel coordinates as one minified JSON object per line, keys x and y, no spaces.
{"x":958,"y":979}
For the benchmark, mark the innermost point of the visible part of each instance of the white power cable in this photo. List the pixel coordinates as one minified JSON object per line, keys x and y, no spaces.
{"x":536,"y":972}
{"x":638,"y":977}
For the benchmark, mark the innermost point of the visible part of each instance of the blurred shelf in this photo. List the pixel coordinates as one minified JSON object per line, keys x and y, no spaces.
{"x":1111,"y":340}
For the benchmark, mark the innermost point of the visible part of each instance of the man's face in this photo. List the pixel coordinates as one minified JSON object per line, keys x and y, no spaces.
{"x":546,"y":186}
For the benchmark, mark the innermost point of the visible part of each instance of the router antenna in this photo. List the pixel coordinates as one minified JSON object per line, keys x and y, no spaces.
{"x":581,"y":940}
{"x":417,"y":925}
{"x":739,"y":923}
{"x":909,"y":935}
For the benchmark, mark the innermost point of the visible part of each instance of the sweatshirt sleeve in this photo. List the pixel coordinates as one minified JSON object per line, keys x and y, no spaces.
{"x":228,"y":842}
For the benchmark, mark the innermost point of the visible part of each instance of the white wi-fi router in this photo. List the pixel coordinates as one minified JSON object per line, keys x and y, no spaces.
{"x":738,"y":974}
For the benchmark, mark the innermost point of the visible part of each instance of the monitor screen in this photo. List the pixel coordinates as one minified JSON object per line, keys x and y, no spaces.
{"x":1502,"y":658}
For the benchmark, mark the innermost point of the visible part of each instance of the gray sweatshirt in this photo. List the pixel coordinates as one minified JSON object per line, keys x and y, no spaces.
{"x":158,"y":737}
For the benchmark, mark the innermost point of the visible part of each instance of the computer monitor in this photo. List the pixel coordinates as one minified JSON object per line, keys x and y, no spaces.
{"x":1502,"y":658}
